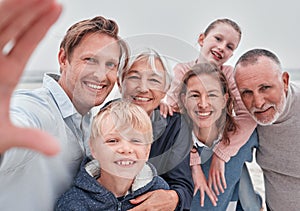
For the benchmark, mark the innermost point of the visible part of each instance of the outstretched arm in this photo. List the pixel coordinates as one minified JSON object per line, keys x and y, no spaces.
{"x":22,"y":25}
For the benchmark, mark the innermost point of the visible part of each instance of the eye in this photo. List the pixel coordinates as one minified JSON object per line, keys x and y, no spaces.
{"x":218,"y":38}
{"x":155,"y":80}
{"x":246,"y":93}
{"x":136,"y":141}
{"x":212,"y":95}
{"x":193,"y":96}
{"x":230,"y":47}
{"x":111,"y":141}
{"x":111,"y":65}
{"x":133,"y":77}
{"x":91,"y":60}
{"x":264,"y":88}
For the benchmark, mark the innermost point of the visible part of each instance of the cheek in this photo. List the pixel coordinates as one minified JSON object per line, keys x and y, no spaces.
{"x":160,"y":94}
{"x":228,"y":54}
{"x":247,"y":102}
{"x":143,"y":152}
{"x":112,"y":76}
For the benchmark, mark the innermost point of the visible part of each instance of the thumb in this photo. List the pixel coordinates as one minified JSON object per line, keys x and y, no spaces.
{"x":195,"y":191}
{"x":141,"y":198}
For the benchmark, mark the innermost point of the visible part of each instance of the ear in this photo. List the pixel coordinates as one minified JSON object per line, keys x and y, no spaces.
{"x":183,"y":100}
{"x":225,"y":100}
{"x":62,"y":59}
{"x":119,"y":85}
{"x":201,"y":39}
{"x":286,"y":80}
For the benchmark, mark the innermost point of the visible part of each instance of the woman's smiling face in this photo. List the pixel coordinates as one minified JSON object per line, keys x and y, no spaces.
{"x":144,"y":86}
{"x":204,"y":100}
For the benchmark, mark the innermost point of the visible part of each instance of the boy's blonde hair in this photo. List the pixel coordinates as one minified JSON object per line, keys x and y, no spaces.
{"x":126,"y":116}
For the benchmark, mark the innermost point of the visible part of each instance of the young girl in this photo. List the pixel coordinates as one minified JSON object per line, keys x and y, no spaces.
{"x":217,"y":43}
{"x":206,"y":100}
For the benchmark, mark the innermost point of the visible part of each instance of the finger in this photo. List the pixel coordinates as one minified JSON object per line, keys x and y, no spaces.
{"x":212,"y":197}
{"x":163,"y":110}
{"x":140,"y":198}
{"x":195,"y":190}
{"x":223,"y":181}
{"x":33,"y":35}
{"x":219,"y":184}
{"x":166,"y":110}
{"x":215,"y":187}
{"x":202,"y":198}
{"x":16,"y":26}
{"x":170,"y":111}
{"x":29,"y":138}
{"x":10,"y":9}
{"x":212,"y":191}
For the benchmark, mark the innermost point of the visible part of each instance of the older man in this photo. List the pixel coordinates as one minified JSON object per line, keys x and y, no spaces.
{"x":273,"y":102}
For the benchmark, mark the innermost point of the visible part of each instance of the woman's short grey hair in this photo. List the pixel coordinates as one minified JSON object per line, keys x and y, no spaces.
{"x":151,"y":55}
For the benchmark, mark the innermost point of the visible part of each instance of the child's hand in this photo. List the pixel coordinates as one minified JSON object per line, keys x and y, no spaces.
{"x":166,"y":109}
{"x":201,"y":185}
{"x":216,"y":176}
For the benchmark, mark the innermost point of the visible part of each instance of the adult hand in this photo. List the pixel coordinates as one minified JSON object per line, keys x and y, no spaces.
{"x":158,"y":200}
{"x":22,"y":26}
{"x":216,"y":176}
{"x":201,"y":185}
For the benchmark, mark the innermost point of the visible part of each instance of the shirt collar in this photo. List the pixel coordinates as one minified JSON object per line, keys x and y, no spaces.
{"x":65,"y":105}
{"x":198,"y":143}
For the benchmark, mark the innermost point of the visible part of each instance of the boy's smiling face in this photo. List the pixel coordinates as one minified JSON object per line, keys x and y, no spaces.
{"x":121,"y":152}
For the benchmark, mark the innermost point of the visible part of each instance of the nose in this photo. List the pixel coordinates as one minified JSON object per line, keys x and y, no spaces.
{"x":142,"y":86}
{"x":222,"y":46}
{"x":258,"y":100}
{"x":203,"y":102}
{"x":125,"y":147}
{"x":100,"y":72}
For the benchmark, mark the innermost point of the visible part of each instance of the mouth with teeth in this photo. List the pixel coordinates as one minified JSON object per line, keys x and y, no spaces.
{"x":217,"y":56}
{"x":202,"y":114}
{"x":125,"y":163}
{"x":141,"y":99}
{"x":95,"y":87}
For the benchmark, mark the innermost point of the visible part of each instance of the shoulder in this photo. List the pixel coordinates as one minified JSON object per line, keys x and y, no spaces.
{"x":183,"y":67}
{"x":33,"y":108}
{"x":160,"y":183}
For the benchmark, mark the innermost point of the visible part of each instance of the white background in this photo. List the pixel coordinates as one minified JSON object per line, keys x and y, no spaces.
{"x":265,"y":23}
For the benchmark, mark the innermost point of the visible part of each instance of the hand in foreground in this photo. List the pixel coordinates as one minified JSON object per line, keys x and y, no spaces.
{"x":216,"y":176}
{"x":158,"y":200}
{"x":22,"y":26}
{"x":201,"y":185}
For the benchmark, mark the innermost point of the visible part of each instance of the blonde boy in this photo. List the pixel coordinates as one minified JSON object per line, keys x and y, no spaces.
{"x":120,"y":144}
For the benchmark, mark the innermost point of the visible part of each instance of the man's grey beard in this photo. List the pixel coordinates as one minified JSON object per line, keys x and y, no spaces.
{"x":279,"y":110}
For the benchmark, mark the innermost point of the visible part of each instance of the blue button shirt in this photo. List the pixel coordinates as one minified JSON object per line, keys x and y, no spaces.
{"x":30,"y":180}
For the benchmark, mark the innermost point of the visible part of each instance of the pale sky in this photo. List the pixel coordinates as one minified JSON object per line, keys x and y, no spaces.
{"x":174,"y":26}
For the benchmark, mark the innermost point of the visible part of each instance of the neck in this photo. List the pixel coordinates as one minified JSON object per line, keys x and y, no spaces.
{"x":206,"y":135}
{"x":81,"y":109}
{"x":117,"y":185}
{"x":201,"y":59}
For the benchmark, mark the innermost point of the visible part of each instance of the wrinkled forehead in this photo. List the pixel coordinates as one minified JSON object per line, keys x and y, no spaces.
{"x":257,"y":74}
